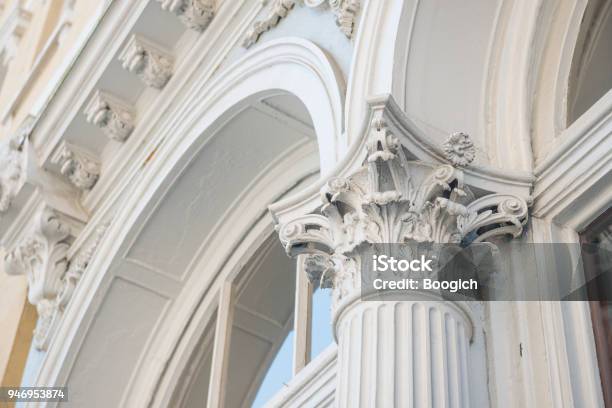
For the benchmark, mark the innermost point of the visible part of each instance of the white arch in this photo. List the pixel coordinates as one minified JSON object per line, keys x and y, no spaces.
{"x":307,"y":74}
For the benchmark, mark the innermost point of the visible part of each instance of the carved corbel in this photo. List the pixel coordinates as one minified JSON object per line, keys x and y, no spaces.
{"x":149,"y":61}
{"x":280,"y":10}
{"x":50,"y":312}
{"x":346,"y":14}
{"x":195,"y":14}
{"x":345,"y":11}
{"x":81,"y":169}
{"x":42,"y":256}
{"x":110,"y":114}
{"x":13,"y":159}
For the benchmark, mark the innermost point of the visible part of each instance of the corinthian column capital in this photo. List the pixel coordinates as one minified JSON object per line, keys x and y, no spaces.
{"x":391,"y":199}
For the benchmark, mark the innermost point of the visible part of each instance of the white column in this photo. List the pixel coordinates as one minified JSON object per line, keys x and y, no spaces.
{"x":399,"y":354}
{"x":403,"y":354}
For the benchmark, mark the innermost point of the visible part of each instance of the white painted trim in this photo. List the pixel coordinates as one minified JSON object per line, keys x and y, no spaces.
{"x":314,"y":385}
{"x":577,"y":165}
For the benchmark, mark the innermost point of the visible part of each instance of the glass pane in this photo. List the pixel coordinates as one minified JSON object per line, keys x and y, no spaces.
{"x":598,"y":265}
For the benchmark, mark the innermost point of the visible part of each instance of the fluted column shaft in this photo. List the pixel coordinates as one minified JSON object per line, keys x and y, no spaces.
{"x":403,"y":354}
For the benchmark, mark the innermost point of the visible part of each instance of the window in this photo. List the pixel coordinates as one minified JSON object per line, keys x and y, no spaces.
{"x":597,"y":256}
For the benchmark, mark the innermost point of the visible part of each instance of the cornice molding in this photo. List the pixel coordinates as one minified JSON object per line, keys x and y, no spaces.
{"x":149,"y":61}
{"x":577,"y":161}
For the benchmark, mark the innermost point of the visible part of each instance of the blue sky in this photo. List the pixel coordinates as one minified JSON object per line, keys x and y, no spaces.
{"x":281,"y":368}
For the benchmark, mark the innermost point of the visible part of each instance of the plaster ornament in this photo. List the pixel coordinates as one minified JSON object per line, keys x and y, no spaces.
{"x":50,"y":310}
{"x":82,"y":171}
{"x":280,"y":10}
{"x":41,"y":256}
{"x":12,"y":171}
{"x":148,"y":61}
{"x":111,"y":115}
{"x":345,"y":11}
{"x":13,"y":163}
{"x":459,"y":149}
{"x":391,"y":199}
{"x":195,"y":14}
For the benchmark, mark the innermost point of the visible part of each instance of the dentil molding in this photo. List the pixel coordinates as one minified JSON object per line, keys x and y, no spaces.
{"x":149,"y":61}
{"x":391,"y":199}
{"x":195,"y":14}
{"x":114,"y":116}
{"x":344,"y":10}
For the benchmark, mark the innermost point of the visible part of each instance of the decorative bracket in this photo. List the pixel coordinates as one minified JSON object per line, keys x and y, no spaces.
{"x":149,"y":61}
{"x":111,"y":115}
{"x":195,"y":14}
{"x":345,"y":11}
{"x":42,"y":256}
{"x":50,"y":312}
{"x":12,"y":167}
{"x":82,"y":170}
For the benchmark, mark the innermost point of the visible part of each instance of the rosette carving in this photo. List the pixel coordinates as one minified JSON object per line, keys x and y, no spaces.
{"x":459,"y":149}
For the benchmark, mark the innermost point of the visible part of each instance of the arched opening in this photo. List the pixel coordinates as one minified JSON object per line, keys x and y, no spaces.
{"x":191,"y":220}
{"x":223,"y":187}
{"x":262,"y":344}
{"x":590,"y":76}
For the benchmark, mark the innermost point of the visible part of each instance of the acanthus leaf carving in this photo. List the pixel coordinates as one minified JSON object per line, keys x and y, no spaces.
{"x":51,"y":308}
{"x":82,"y":170}
{"x":280,"y":10}
{"x":195,"y":14}
{"x":13,"y":163}
{"x":41,"y":256}
{"x":111,"y":115}
{"x":391,"y":199}
{"x":345,"y":12}
{"x":149,"y":61}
